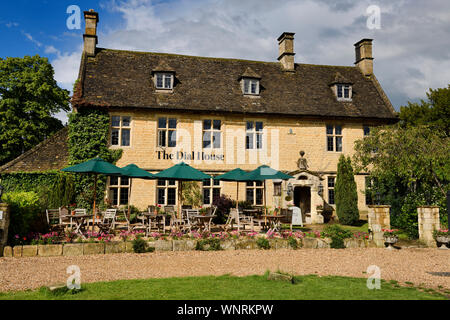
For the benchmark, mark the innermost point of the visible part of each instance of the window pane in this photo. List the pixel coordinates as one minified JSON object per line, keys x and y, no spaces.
{"x":217,"y":125}
{"x":125,"y":137}
{"x":114,"y":196}
{"x":113,"y":181}
{"x":162,"y":123}
{"x":331,"y":182}
{"x":339,"y":91}
{"x":171,"y":196}
{"x":172,"y":139}
{"x":168,"y":82}
{"x":124,"y":181}
{"x":162,"y":183}
{"x":338,"y":130}
{"x":216,"y":182}
{"x":258,"y":183}
{"x":249,"y":184}
{"x":347,"y":92}
{"x":172,"y":183}
{"x":161,"y":196}
{"x":249,"y":126}
{"x":254,"y":87}
{"x":277,"y":189}
{"x":366,"y":131}
{"x":115,"y":121}
{"x":331,"y":196}
{"x":329,"y":130}
{"x":250,"y":195}
{"x":249,"y":141}
{"x":162,"y":138}
{"x":207,"y":196}
{"x":259,"y":196}
{"x":126,"y":121}
{"x":330,"y":144}
{"x":172,"y":123}
{"x":206,"y":183}
{"x":216,"y":140}
{"x":207,"y":125}
{"x":159,"y":81}
{"x":115,"y":137}
{"x":338,"y":144}
{"x":246,"y":86}
{"x":123,"y":196}
{"x":259,"y":142}
{"x":207,"y":139}
{"x":216,"y":194}
{"x":259,"y":126}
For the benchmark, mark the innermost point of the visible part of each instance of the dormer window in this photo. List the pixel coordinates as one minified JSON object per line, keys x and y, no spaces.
{"x":164,"y":81}
{"x":344,"y":91}
{"x":251,"y":86}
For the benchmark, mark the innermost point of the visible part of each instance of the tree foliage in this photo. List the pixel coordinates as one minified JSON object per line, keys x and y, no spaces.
{"x":410,"y":167}
{"x":346,"y":195}
{"x":29,"y":97}
{"x":435,"y":112}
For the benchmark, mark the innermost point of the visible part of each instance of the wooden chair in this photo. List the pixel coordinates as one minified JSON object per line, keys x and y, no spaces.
{"x":108,"y":222}
{"x":53,"y":219}
{"x":287,"y":213}
{"x":239,"y":219}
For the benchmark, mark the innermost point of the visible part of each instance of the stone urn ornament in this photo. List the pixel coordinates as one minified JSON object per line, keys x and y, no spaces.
{"x":390,"y":238}
{"x":442,"y":238}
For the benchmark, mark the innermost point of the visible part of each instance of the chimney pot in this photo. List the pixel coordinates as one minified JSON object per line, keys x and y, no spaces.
{"x":364,"y":58}
{"x":286,"y":51}
{"x":90,"y":35}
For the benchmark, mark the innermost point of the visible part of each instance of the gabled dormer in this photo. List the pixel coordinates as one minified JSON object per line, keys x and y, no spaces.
{"x":342,"y":88}
{"x":163,"y":78}
{"x":250,"y":83}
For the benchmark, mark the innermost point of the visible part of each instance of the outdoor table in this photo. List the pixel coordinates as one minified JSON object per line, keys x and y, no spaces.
{"x":203,"y":222}
{"x":80,"y":222}
{"x":274,"y":221}
{"x":160,"y":219}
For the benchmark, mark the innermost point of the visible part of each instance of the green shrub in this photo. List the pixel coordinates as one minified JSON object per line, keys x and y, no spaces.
{"x":293,"y":243}
{"x":337,"y":235}
{"x":346,"y":193}
{"x":26,"y":214}
{"x":263,"y":243}
{"x":208,"y":245}
{"x":141,"y":246}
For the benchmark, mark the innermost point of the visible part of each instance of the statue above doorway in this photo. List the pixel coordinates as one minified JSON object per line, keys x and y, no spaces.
{"x":302,"y":163}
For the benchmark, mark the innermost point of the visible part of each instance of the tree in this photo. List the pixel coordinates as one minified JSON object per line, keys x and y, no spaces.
{"x":346,"y":195}
{"x":435,"y":112}
{"x":410,"y":166}
{"x":29,"y":97}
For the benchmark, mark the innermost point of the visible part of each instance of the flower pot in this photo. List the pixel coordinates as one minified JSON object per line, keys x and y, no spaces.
{"x":390,"y":240}
{"x":443,"y":240}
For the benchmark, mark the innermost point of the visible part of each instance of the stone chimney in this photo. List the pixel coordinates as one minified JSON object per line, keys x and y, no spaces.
{"x":287,"y":54}
{"x":90,"y":36}
{"x":364,"y":58}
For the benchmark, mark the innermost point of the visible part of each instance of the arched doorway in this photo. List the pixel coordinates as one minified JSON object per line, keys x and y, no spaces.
{"x":302,"y":199}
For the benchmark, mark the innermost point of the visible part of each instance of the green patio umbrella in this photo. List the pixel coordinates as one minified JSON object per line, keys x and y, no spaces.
{"x":182,"y":172}
{"x":132,"y":171}
{"x":237,"y":175}
{"x":264,"y":173}
{"x":95,"y":166}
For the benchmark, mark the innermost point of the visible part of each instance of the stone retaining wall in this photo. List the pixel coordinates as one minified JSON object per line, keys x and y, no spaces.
{"x":81,"y":249}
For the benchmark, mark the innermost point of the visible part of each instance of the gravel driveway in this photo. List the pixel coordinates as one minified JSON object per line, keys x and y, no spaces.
{"x":427,"y":267}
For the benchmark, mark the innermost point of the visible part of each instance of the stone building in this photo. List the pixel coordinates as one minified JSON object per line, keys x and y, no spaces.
{"x":219,"y":114}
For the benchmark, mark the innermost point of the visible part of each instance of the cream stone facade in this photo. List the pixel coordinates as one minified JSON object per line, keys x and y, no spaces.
{"x":283,"y":139}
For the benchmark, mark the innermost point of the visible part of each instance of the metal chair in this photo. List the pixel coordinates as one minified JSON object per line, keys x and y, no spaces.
{"x":239,"y":219}
{"x":108,"y":222}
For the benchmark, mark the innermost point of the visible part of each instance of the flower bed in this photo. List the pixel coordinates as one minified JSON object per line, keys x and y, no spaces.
{"x":46,"y":245}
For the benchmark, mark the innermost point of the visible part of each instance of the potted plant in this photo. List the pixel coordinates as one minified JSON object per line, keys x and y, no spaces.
{"x":390,"y":237}
{"x":289,"y":202}
{"x":442,"y":236}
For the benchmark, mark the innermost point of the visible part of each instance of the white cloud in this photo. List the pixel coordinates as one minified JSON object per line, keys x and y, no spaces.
{"x":30,"y":37}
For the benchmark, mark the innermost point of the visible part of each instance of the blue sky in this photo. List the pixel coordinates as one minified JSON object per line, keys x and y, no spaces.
{"x":411,"y":48}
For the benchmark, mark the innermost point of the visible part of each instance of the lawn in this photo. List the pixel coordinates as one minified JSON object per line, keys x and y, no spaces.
{"x":232,"y":288}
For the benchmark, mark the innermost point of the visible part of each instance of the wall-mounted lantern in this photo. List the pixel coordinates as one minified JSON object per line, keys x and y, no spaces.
{"x":320,"y":192}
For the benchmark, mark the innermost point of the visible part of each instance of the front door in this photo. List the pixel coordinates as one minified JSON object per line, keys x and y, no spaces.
{"x":302,"y":199}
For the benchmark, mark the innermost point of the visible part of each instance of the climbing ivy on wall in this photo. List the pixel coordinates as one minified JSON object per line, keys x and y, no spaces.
{"x":88,"y":138}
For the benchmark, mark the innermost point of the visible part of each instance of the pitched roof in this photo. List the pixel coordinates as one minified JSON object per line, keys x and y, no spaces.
{"x":122,"y":79}
{"x":51,"y":154}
